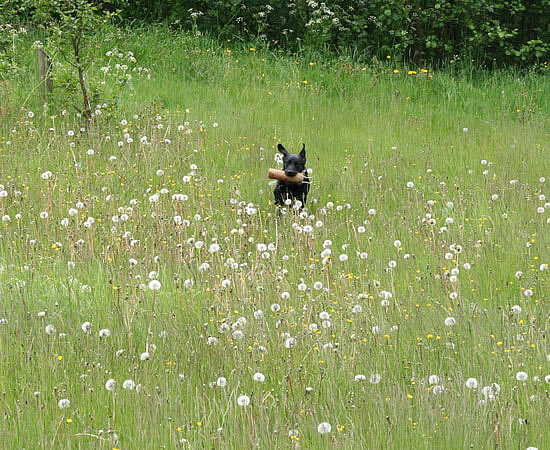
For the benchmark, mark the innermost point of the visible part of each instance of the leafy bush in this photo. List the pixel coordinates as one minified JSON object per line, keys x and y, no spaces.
{"x":423,"y":31}
{"x":419,"y":31}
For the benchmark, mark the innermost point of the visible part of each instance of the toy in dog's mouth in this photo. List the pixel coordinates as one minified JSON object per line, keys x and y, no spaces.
{"x":276,"y":174}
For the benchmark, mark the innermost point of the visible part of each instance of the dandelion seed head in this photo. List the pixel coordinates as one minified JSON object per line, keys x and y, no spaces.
{"x":128,"y":385}
{"x":290,"y":342}
{"x":375,"y":378}
{"x":154,"y":285}
{"x":521,"y":376}
{"x":104,"y":333}
{"x":258,"y":377}
{"x":110,"y":384}
{"x":243,"y":400}
{"x":450,"y":321}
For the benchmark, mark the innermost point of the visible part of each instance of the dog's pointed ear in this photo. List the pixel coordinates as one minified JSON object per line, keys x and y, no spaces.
{"x":282,"y":149}
{"x":303,"y":152}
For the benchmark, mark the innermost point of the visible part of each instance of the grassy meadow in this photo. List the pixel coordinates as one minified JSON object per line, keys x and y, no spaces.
{"x":152,"y":296}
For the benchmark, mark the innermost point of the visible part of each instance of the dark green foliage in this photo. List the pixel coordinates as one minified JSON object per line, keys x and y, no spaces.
{"x":419,"y":31}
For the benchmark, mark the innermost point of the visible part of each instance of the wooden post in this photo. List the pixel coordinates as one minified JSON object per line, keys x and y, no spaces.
{"x":45,"y":66}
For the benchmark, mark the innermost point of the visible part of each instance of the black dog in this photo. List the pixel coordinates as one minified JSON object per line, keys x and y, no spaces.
{"x":292,"y":165}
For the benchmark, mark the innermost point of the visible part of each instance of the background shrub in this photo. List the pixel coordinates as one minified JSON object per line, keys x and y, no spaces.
{"x":419,"y":31}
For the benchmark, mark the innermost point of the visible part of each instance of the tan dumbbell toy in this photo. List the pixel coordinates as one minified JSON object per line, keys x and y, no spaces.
{"x":276,"y":174}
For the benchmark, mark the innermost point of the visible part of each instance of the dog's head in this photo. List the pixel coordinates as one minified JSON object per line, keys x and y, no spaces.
{"x":293,"y":164}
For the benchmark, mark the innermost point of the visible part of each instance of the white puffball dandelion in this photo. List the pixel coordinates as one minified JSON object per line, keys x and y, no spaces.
{"x":238,"y":334}
{"x":154,"y":285}
{"x":129,"y":385}
{"x":290,"y":342}
{"x":243,"y":400}
{"x":450,"y":321}
{"x":324,"y":428}
{"x":64,"y":403}
{"x":104,"y":333}
{"x":86,"y":327}
{"x":110,"y":384}
{"x":258,"y":377}
{"x":221,"y":382}
{"x":521,"y":376}
{"x":375,"y":378}
{"x":471,"y":383}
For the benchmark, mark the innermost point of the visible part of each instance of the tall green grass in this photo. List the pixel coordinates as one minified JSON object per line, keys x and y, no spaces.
{"x":370,"y":129}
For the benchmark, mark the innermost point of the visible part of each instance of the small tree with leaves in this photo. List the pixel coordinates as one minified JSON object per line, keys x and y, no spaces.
{"x":69,"y":26}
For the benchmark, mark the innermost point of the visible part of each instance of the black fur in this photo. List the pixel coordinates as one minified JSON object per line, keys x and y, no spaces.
{"x":292,"y":164}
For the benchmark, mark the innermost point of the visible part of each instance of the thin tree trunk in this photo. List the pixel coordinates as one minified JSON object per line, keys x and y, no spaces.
{"x":87,"y":107}
{"x":419,"y":40}
{"x":45,"y":67}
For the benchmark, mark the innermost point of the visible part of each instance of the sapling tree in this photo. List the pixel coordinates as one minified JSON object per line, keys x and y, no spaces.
{"x":69,"y":26}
